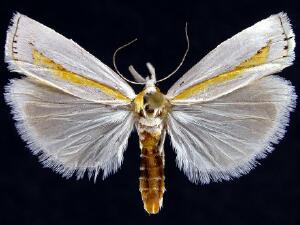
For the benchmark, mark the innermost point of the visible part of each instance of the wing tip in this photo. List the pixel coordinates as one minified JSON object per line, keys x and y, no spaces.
{"x":8,"y":53}
{"x":10,"y":49}
{"x":290,"y":35}
{"x":12,"y":26}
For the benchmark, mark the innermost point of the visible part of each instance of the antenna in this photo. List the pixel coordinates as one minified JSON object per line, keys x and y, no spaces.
{"x":115,"y":65}
{"x":183,"y":58}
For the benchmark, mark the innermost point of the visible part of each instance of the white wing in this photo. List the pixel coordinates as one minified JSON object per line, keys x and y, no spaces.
{"x":38,"y":51}
{"x":263,"y":49}
{"x":223,"y":138}
{"x":68,"y":133}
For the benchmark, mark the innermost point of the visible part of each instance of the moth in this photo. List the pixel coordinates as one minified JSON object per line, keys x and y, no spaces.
{"x":224,"y":114}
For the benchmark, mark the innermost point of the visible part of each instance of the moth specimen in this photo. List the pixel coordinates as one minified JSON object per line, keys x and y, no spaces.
{"x":222,"y":115}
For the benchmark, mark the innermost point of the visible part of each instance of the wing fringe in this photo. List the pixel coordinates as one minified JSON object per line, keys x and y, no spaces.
{"x":275,"y":135}
{"x":48,"y":161}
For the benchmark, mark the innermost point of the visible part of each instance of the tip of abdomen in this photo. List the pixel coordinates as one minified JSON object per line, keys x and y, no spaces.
{"x":152,"y":201}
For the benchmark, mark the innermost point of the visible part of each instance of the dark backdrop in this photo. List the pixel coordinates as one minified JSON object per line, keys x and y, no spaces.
{"x":31,"y":194}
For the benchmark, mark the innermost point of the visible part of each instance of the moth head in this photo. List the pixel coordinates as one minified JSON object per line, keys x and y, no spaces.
{"x":153,"y":101}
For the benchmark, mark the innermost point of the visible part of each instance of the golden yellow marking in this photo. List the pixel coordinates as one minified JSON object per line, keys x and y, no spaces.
{"x":40,"y":59}
{"x":258,"y":59}
{"x":139,"y":102}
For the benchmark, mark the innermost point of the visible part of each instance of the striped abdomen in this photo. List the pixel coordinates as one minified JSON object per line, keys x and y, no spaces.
{"x":152,"y":184}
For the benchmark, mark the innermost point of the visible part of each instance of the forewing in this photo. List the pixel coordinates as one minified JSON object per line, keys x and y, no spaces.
{"x":38,"y":51}
{"x":262,"y":49}
{"x":70,"y":134}
{"x":223,"y":138}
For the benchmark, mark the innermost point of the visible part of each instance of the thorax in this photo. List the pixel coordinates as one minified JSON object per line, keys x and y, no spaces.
{"x":151,"y":108}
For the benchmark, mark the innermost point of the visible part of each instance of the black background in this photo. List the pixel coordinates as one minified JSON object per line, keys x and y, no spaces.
{"x":31,"y":194}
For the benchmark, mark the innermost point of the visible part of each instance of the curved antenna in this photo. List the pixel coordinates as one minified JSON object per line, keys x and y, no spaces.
{"x":183,"y":58}
{"x":115,"y":65}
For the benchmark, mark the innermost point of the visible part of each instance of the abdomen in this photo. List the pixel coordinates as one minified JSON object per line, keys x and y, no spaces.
{"x":152,"y":184}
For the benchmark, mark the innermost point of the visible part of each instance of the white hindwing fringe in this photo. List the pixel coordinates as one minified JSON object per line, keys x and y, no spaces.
{"x":71,"y":135}
{"x":223,"y":138}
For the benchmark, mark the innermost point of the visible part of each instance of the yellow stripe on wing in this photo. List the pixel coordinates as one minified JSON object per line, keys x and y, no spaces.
{"x":62,"y":73}
{"x":259,"y":58}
